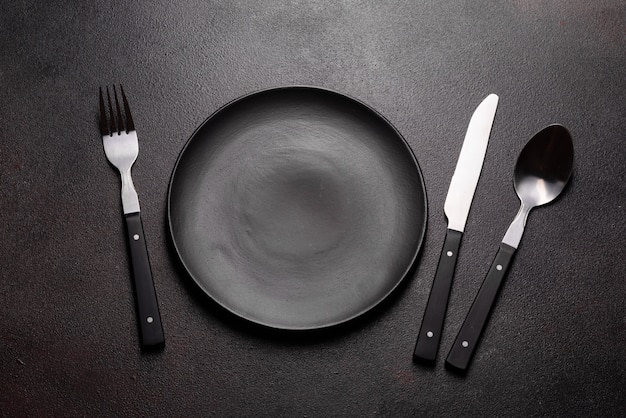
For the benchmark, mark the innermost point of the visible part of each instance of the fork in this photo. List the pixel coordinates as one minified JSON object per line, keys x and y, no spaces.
{"x":122,"y":148}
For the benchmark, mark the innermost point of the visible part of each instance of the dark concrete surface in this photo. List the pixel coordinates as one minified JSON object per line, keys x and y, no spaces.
{"x":555,"y":345}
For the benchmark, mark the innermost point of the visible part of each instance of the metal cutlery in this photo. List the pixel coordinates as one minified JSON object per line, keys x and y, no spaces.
{"x":121,"y":147}
{"x":457,"y":206}
{"x":542,"y":170}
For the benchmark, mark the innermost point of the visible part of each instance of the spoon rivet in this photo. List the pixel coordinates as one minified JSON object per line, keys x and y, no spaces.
{"x":449,"y":253}
{"x":499,"y":267}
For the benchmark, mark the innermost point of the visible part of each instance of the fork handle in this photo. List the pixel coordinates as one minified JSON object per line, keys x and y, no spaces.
{"x":148,"y":314}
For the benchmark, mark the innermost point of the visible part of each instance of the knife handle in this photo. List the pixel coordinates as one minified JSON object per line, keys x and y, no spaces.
{"x":432,"y":323}
{"x":468,"y":337}
{"x":148,"y":315}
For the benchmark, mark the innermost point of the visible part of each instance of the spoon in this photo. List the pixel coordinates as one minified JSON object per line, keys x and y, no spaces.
{"x":542,"y":170}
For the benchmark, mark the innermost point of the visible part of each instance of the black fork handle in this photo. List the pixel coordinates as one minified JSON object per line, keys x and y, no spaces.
{"x":148,"y":316}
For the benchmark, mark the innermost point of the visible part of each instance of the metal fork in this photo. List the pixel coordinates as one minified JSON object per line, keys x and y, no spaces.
{"x":122,"y":148}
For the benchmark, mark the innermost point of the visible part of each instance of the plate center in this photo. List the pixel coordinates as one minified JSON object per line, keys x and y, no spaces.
{"x":293,"y":206}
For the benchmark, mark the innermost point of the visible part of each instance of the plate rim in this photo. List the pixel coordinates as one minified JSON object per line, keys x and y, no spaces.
{"x":403,"y":277}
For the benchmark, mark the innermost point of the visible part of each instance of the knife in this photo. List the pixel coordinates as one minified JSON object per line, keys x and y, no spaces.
{"x":456,"y":208}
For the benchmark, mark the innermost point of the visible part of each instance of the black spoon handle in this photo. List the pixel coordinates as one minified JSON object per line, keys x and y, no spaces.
{"x":432,"y":324}
{"x":466,"y":341}
{"x":148,"y":314}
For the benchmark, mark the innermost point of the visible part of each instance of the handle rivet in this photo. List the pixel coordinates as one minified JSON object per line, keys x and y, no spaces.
{"x":136,"y":237}
{"x":449,"y":253}
{"x":465,"y":344}
{"x":150,"y":319}
{"x":429,"y":334}
{"x":499,"y":267}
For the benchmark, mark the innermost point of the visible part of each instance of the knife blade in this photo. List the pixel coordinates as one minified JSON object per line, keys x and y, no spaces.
{"x":456,"y":208}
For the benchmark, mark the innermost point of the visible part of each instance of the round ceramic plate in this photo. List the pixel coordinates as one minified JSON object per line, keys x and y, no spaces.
{"x":297,"y":208}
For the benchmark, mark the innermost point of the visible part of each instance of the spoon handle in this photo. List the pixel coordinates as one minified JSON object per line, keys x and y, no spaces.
{"x":468,"y":337}
{"x":432,"y":324}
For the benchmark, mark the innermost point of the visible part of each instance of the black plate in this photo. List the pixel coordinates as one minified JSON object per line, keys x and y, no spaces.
{"x":297,"y":208}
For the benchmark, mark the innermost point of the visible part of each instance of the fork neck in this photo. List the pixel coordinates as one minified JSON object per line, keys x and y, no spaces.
{"x":130,"y":200}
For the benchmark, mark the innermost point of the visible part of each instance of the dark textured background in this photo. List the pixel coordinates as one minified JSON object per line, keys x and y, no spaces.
{"x":68,"y":340}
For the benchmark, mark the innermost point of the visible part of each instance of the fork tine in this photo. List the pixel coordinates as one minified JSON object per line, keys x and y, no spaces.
{"x":130,"y":126}
{"x":104,"y":125}
{"x":112,"y":121}
{"x":120,"y":119}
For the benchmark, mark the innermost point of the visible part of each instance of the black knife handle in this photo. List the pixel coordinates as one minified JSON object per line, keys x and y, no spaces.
{"x":466,"y":341}
{"x":432,"y":323}
{"x":148,"y":314}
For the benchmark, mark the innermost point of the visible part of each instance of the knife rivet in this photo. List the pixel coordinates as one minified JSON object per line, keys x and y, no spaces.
{"x":429,"y":334}
{"x":449,"y":253}
{"x":136,"y":237}
{"x":150,"y":319}
{"x":465,"y":344}
{"x":499,"y":267}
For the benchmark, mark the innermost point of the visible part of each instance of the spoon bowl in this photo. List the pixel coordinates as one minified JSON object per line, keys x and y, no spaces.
{"x":544,"y":166}
{"x":542,"y":170}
